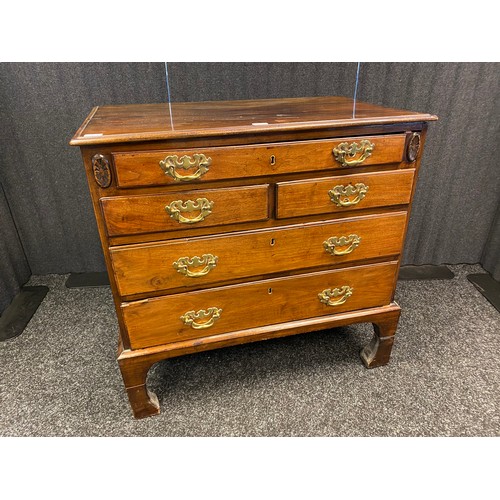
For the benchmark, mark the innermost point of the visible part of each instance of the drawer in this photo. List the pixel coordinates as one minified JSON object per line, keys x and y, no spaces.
{"x":238,"y":307}
{"x":184,"y":210}
{"x":195,"y":262}
{"x":150,"y":168}
{"x":344,"y":193}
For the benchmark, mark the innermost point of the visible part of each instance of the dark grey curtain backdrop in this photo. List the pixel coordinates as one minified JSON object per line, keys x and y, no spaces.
{"x":455,"y":216}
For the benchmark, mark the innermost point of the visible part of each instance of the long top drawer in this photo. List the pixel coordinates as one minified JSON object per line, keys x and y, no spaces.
{"x":149,"y":168}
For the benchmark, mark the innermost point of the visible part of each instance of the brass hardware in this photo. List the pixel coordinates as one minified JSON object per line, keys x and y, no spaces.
{"x":201,"y":319}
{"x":272,"y":160}
{"x":413,"y":147}
{"x":332,"y":244}
{"x":178,"y":207}
{"x":207,"y":260}
{"x":173,"y":162}
{"x":345,"y":150}
{"x":340,"y":195}
{"x":343,"y":293}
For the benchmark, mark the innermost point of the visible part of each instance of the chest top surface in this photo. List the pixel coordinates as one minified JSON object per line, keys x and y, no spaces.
{"x":139,"y":122}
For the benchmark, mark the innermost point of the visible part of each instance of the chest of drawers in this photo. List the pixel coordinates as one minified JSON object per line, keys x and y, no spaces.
{"x":230,"y":222}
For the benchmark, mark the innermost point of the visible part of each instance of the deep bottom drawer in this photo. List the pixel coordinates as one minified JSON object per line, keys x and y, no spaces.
{"x":237,"y":307}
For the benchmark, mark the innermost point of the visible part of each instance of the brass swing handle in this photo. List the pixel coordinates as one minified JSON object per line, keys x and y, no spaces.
{"x":201,"y":319}
{"x":344,"y":151}
{"x":177,"y":208}
{"x":336,"y":246}
{"x":207,"y":260}
{"x":341,"y":195}
{"x":335,"y":297}
{"x":199,"y":161}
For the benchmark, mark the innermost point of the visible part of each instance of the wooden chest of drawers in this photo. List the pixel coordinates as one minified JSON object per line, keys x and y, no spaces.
{"x":231,"y":222}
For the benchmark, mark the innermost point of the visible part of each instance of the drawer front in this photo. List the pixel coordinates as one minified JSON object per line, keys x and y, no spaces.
{"x":209,"y":312}
{"x":144,"y":168}
{"x":184,"y":210}
{"x":344,"y":193}
{"x":196,"y":262}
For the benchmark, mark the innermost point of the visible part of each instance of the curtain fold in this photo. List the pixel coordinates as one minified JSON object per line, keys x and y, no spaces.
{"x":491,"y":255}
{"x":14,"y":269}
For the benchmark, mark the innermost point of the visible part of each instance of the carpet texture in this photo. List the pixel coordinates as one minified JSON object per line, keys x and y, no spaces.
{"x":60,"y":377}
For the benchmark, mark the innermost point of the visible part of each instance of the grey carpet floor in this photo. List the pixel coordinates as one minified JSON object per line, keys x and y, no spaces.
{"x":60,"y":377}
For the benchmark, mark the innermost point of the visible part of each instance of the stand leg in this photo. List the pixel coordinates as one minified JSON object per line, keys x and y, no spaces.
{"x":378,"y":351}
{"x":144,"y":403}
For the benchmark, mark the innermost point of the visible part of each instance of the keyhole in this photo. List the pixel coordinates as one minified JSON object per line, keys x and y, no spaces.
{"x":269,"y":291}
{"x":272,"y":242}
{"x":272,"y":160}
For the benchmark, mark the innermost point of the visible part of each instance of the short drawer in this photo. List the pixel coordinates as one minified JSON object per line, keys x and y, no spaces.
{"x":150,"y":168}
{"x":196,"y":262}
{"x":184,"y":210}
{"x":343,"y":193}
{"x":238,"y":307}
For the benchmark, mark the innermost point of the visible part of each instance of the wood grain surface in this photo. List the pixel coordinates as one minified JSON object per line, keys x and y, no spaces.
{"x":256,"y":304}
{"x":149,"y":267}
{"x":146,"y":214}
{"x":141,"y":168}
{"x":299,"y":198}
{"x":139,"y":122}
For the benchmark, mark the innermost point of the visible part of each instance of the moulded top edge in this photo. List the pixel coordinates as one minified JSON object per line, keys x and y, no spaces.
{"x":143,"y":122}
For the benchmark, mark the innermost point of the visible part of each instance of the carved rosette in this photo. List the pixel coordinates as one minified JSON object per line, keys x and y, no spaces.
{"x":413,"y":147}
{"x":102,"y":171}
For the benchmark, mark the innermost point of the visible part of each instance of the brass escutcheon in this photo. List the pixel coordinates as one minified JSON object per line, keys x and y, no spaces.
{"x":336,"y":246}
{"x":177,"y":208}
{"x":173,"y":162}
{"x":339,"y":294}
{"x":345,"y":150}
{"x":201,"y":319}
{"x":341,"y":195}
{"x":207,"y":260}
